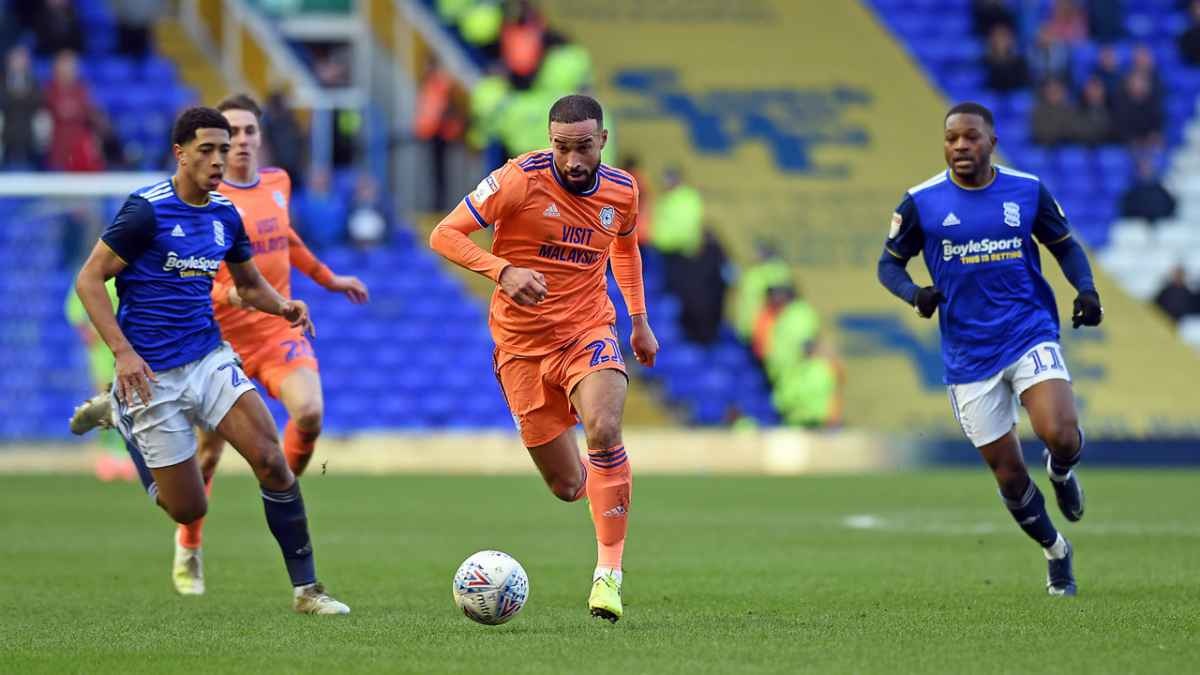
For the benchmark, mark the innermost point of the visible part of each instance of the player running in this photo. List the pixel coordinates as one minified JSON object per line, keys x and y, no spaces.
{"x":976,"y":224}
{"x":557,"y":216}
{"x":172,"y":369}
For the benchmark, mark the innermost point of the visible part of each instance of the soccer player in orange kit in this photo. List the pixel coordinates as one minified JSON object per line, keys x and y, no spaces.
{"x":557,"y":215}
{"x":274,"y":353}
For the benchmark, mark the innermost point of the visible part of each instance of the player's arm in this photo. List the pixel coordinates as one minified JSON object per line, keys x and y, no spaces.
{"x":905,"y":240}
{"x":304,"y":260}
{"x":627,"y":269}
{"x":1054,"y":232}
{"x":253,"y":288}
{"x":129,"y":235}
{"x":494,"y":198}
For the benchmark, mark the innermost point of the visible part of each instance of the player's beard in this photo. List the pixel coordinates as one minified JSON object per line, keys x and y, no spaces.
{"x":584,"y":183}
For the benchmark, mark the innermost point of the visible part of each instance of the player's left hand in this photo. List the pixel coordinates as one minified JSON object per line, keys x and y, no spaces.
{"x":353,"y":287}
{"x":645,"y":345}
{"x":296,"y":312}
{"x":1087,"y":310}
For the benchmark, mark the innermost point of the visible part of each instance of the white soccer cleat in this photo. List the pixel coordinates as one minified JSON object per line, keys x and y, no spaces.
{"x":188,"y":570}
{"x":311,"y":599}
{"x":92,"y":413}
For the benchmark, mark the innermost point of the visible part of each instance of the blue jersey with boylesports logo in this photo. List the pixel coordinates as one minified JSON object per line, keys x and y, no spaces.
{"x":980,"y":251}
{"x":172,"y":250}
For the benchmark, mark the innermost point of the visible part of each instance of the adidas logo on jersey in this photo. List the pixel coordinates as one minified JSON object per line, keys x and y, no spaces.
{"x":178,"y":232}
{"x":551,"y":211}
{"x":951,"y":220}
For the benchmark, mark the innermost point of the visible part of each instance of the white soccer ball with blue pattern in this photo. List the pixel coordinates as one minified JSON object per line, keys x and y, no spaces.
{"x":490,"y":587}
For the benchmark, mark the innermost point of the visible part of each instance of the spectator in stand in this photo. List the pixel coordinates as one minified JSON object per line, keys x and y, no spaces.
{"x":1176,"y":298}
{"x":57,"y":28}
{"x":1189,"y":41}
{"x":778,"y":297}
{"x":768,"y":271}
{"x":699,"y":281}
{"x":1050,"y":58}
{"x":1143,"y":63}
{"x":1106,"y":20}
{"x":367,"y":226}
{"x":1094,"y":123}
{"x":808,"y":393}
{"x":1146,"y":197}
{"x":678,"y":217}
{"x":645,"y":224}
{"x":1007,"y":69}
{"x":20,"y":106}
{"x":73,"y":142}
{"x":285,"y":141}
{"x":1054,"y":116}
{"x":987,"y":14}
{"x":793,"y":335}
{"x":1067,"y":22}
{"x":480,"y":27}
{"x":1108,"y":69}
{"x":320,"y":212}
{"x":135,"y":18}
{"x":439,"y":124}
{"x":521,"y":42}
{"x":1137,"y":116}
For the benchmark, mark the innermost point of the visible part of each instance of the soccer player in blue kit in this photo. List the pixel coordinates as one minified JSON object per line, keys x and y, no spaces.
{"x":976,"y":224}
{"x":173,"y":371}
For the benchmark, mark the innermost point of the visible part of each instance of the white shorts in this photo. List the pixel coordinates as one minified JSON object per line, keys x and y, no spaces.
{"x":987,"y":410}
{"x":199,"y":393}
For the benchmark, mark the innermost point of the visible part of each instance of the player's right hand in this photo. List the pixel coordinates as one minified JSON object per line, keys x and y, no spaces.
{"x":523,"y":285}
{"x":133,"y":375}
{"x":927,"y":301}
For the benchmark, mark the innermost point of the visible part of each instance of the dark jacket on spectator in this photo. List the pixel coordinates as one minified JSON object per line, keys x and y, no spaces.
{"x":1147,"y":198}
{"x":1177,"y":300}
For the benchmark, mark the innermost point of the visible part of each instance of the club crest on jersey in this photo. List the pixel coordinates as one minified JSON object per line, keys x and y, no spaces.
{"x":1012,"y":214}
{"x":606,"y":216}
{"x":279,"y":199}
{"x":218,"y":233}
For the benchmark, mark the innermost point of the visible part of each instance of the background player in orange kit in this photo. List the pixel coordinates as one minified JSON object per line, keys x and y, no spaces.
{"x":274,"y":353}
{"x":557,"y":215}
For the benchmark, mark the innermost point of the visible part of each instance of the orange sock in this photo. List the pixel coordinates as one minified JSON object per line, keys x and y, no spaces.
{"x":298,"y":446}
{"x":189,"y":535}
{"x":609,"y":490}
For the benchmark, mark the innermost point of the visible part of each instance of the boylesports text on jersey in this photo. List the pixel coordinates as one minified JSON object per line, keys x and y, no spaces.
{"x":982,"y":250}
{"x":192,"y":266}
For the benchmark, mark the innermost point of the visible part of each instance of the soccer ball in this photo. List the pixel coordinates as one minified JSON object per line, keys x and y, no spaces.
{"x":490,"y":587}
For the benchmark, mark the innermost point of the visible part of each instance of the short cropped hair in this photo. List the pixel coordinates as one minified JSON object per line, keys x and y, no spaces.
{"x":241,"y":102}
{"x":195,"y":118}
{"x":577,"y":108}
{"x":972,"y":108}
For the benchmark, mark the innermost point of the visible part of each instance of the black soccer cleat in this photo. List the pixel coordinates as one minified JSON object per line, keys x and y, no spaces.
{"x":1060,"y":578}
{"x":1068,"y":493}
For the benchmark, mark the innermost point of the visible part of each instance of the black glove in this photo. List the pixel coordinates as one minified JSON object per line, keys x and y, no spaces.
{"x":1087,"y":310}
{"x":927,"y":301}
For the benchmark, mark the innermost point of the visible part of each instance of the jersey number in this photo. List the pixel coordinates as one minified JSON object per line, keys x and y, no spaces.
{"x":598,"y":355}
{"x":1039,"y":366}
{"x":297,"y":349}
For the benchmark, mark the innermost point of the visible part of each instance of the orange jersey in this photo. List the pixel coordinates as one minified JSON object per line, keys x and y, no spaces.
{"x":540,"y":225}
{"x":264,"y":210}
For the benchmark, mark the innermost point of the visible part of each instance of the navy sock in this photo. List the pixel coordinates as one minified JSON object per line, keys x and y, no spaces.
{"x":1061,"y":466}
{"x":289,"y":524}
{"x":1030,"y":513}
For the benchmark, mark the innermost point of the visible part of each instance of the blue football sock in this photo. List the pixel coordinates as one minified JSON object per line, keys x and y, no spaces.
{"x":289,"y":524}
{"x":1059,"y":466}
{"x":1030,"y":513}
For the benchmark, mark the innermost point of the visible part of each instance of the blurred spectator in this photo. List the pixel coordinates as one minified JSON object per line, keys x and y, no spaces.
{"x":521,"y":42}
{"x":1176,"y":298}
{"x":487,"y":98}
{"x":1054,"y":116}
{"x":480,"y":27}
{"x":57,"y":28}
{"x":987,"y":14}
{"x":1189,"y":41}
{"x":1143,"y":63}
{"x":1067,"y":22}
{"x":439,"y":123}
{"x":320,"y":212}
{"x":566,"y":69}
{"x":792,"y":336}
{"x":1007,"y":68}
{"x":1094,"y":126}
{"x":1146,"y":197}
{"x":111,"y":147}
{"x":1137,"y":115}
{"x":1106,"y":20}
{"x":698,"y":280}
{"x":1108,"y":69}
{"x":20,"y":105}
{"x":135,"y":19}
{"x":678,"y":217}
{"x":808,"y":393}
{"x":768,"y":271}
{"x":73,"y":143}
{"x":1050,"y":58}
{"x":367,"y":226}
{"x":522,"y":121}
{"x":285,"y":141}
{"x":645,"y":224}
{"x":778,"y":297}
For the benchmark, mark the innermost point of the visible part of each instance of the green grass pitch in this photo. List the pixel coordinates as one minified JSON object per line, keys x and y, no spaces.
{"x":912,"y":572}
